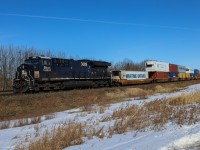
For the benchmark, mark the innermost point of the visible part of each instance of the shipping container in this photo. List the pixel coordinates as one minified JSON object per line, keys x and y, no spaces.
{"x":192,"y":76}
{"x":181,"y":75}
{"x":173,"y":75}
{"x":173,"y":68}
{"x":130,"y":75}
{"x":156,"y":66}
{"x":184,"y":76}
{"x":181,"y":69}
{"x":123,"y":77}
{"x":196,"y":71}
{"x":189,"y":70}
{"x":159,"y":76}
{"x":187,"y":75}
{"x":199,"y":74}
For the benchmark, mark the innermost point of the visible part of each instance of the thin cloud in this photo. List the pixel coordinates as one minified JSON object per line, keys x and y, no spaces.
{"x":100,"y":21}
{"x":7,"y":36}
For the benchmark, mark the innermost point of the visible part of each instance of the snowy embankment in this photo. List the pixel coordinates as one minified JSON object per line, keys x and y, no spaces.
{"x":173,"y":136}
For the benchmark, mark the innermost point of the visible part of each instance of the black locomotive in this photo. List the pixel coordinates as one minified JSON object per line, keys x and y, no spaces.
{"x":45,"y":73}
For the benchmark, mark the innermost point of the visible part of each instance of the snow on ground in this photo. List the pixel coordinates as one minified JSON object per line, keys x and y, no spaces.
{"x":145,"y":140}
{"x":171,"y":137}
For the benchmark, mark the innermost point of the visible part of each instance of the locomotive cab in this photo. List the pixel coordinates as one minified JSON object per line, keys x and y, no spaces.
{"x":29,"y":73}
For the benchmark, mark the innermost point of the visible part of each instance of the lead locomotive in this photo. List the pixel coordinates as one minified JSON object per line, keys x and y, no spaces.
{"x":45,"y":73}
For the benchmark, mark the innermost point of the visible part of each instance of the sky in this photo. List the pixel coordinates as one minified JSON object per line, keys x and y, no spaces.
{"x":110,"y":30}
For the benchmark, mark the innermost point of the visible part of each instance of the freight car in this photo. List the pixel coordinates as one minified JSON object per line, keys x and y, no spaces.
{"x":45,"y":73}
{"x":123,"y":77}
{"x":155,"y":71}
{"x":158,"y":71}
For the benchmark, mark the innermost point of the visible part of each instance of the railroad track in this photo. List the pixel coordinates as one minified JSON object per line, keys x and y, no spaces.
{"x":6,"y":93}
{"x":146,"y":85}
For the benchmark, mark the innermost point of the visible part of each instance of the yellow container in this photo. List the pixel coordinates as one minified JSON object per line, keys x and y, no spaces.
{"x":188,"y":75}
{"x":181,"y":75}
{"x":184,"y":75}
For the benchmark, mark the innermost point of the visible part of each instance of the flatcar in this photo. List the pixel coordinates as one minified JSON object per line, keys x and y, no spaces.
{"x":39,"y":73}
{"x":123,"y":77}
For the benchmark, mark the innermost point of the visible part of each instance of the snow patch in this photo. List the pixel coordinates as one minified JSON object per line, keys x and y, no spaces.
{"x":184,"y":142}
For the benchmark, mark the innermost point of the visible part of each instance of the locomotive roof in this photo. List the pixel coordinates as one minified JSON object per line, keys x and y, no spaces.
{"x":93,"y":62}
{"x":40,"y":57}
{"x":97,"y":63}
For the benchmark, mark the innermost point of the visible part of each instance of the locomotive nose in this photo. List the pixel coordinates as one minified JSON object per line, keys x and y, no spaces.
{"x":23,"y":80}
{"x":23,"y":71}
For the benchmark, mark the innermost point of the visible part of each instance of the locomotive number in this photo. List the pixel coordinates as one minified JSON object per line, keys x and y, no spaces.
{"x":47,"y":68}
{"x":84,"y":64}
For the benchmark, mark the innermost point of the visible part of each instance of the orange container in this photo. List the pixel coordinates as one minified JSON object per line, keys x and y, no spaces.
{"x":173,"y":68}
{"x":158,"y":75}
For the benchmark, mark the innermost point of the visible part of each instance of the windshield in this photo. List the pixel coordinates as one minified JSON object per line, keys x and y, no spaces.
{"x":148,"y":66}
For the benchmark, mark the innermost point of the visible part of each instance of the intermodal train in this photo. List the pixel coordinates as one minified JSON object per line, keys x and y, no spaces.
{"x":40,"y":73}
{"x":156,"y":71}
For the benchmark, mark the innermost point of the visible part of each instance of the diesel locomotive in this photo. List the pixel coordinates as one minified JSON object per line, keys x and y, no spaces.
{"x":40,"y":73}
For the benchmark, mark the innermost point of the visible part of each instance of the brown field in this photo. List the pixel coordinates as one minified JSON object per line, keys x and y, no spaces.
{"x":33,"y":105}
{"x":181,"y":110}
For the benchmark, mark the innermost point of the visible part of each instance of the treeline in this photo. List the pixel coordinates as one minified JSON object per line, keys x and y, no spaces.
{"x":12,"y":56}
{"x":129,"y":65}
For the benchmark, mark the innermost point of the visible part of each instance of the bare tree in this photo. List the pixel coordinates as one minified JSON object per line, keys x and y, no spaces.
{"x":11,"y":57}
{"x":4,"y":67}
{"x":129,"y":65}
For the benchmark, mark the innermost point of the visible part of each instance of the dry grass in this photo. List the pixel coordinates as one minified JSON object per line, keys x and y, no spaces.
{"x":186,"y":99}
{"x":32,"y":105}
{"x":65,"y":135}
{"x":102,"y":109}
{"x":127,"y":93}
{"x":154,"y":115}
{"x":180,"y":110}
{"x":4,"y":125}
{"x":24,"y":122}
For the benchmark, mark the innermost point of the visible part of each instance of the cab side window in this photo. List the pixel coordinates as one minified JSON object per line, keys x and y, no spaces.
{"x":46,"y":62}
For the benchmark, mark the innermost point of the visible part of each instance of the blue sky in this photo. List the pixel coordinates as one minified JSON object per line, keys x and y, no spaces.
{"x":111,"y":30}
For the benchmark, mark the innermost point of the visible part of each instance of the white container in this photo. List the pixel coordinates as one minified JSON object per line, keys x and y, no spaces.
{"x":189,"y":70}
{"x":156,"y":66}
{"x":134,"y":75}
{"x":181,"y":69}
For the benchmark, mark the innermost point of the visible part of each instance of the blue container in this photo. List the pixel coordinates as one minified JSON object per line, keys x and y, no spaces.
{"x":192,"y":75}
{"x":173,"y":75}
{"x":196,"y":71}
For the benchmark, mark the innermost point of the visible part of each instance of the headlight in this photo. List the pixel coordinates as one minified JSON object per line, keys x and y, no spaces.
{"x":24,"y":74}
